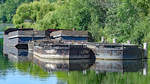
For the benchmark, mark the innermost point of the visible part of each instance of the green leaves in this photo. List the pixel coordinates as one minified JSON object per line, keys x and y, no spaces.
{"x":121,"y":19}
{"x":8,"y":9}
{"x":64,"y":14}
{"x":28,"y":15}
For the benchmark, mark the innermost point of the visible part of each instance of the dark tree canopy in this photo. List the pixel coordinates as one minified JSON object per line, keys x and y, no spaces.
{"x":8,"y":9}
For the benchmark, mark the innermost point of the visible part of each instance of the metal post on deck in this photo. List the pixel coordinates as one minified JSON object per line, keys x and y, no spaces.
{"x":114,"y":40}
{"x":128,"y":42}
{"x":102,"y":39}
{"x":145,"y":47}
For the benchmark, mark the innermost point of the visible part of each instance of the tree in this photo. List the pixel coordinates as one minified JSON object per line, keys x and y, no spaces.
{"x":63,"y":14}
{"x":79,"y":14}
{"x":121,"y":20}
{"x":8,"y":9}
{"x":28,"y":15}
{"x":109,"y":18}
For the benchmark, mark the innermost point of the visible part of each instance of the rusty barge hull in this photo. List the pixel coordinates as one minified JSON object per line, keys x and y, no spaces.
{"x":119,"y":52}
{"x":17,"y":37}
{"x":72,"y":52}
{"x":68,"y":45}
{"x":56,"y":50}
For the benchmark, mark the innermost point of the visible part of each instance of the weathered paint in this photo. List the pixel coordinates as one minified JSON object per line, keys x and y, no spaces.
{"x":74,"y":38}
{"x":116,"y":51}
{"x":16,"y":37}
{"x":100,"y":50}
{"x":60,"y":51}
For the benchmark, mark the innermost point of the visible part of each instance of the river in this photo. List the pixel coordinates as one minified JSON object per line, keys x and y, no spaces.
{"x":18,"y":66}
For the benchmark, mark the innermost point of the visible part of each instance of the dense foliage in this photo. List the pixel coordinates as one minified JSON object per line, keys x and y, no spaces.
{"x":8,"y":9}
{"x":62,"y":14}
{"x":121,"y":19}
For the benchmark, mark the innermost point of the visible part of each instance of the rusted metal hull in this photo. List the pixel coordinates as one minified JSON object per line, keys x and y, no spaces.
{"x":14,"y":37}
{"x":109,"y":54}
{"x":130,"y":52}
{"x":61,"y":51}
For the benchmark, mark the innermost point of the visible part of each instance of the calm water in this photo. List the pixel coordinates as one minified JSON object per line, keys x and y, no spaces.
{"x":18,"y":66}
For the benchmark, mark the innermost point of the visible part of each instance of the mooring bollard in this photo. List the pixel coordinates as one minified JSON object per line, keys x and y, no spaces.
{"x":128,"y":42}
{"x":102,"y":39}
{"x":145,"y":47}
{"x":114,"y":40}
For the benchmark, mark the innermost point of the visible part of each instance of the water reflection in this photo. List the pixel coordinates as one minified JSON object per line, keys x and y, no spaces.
{"x":99,"y":66}
{"x":118,"y":65}
{"x":20,"y":55}
{"x":17,"y":55}
{"x":63,"y":65}
{"x":20,"y":58}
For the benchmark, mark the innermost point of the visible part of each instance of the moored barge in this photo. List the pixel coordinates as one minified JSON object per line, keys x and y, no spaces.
{"x":54,"y":50}
{"x":118,"y":51}
{"x":68,"y":44}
